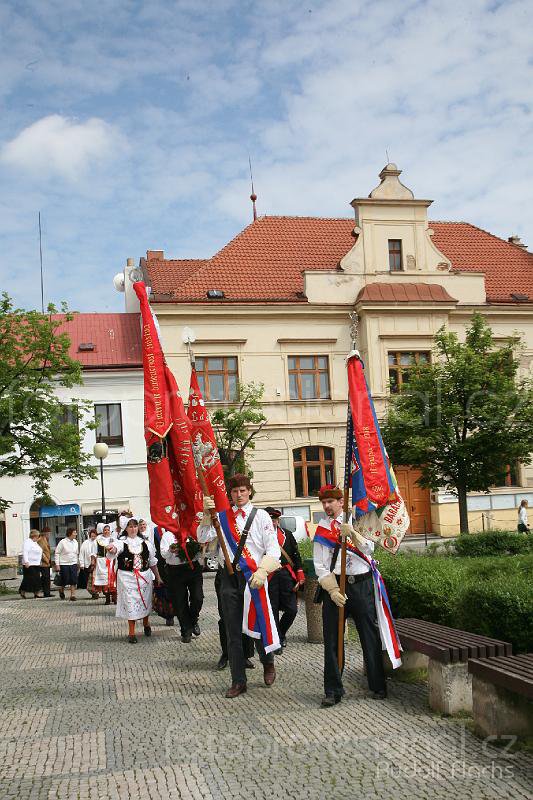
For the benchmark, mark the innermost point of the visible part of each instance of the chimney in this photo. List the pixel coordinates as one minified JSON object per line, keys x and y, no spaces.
{"x":159,"y":255}
{"x":515,"y":239}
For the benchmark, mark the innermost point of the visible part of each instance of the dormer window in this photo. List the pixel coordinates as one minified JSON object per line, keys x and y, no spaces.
{"x":395,"y":255}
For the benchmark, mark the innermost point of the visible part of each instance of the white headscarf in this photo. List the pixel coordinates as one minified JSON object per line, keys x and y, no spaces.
{"x":100,"y":528}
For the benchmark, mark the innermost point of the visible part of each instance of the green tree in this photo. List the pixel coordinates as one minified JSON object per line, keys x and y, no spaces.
{"x":39,"y":435}
{"x":237,"y":427}
{"x":463,"y":418}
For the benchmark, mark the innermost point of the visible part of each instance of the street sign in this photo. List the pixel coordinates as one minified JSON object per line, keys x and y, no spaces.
{"x":66,"y":510}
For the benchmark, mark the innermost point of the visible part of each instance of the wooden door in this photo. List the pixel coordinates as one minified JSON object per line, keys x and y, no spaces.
{"x":416,"y":499}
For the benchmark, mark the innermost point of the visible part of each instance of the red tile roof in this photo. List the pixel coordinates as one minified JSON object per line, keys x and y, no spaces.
{"x":265,"y":262}
{"x":116,"y":339}
{"x":404,"y":293}
{"x":507,"y":267}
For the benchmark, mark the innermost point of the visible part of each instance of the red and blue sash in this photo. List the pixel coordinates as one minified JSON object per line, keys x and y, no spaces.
{"x":258,"y":619}
{"x":389,"y":638}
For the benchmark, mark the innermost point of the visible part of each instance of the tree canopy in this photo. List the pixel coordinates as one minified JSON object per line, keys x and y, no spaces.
{"x":464,"y":417}
{"x":39,"y":435}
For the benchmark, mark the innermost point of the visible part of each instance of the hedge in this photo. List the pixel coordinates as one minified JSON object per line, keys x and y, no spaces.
{"x":493,"y":543}
{"x":490,"y":595}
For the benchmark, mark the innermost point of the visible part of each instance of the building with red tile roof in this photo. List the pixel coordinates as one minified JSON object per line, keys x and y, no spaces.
{"x":104,"y":341}
{"x":266,"y":261}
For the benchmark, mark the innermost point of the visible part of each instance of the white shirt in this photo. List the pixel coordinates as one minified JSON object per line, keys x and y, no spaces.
{"x":31,"y":553}
{"x":66,"y":552}
{"x":322,"y":556}
{"x":170,"y":557}
{"x":262,"y":538}
{"x":135,"y":546}
{"x":522,"y":516}
{"x":87,"y":549}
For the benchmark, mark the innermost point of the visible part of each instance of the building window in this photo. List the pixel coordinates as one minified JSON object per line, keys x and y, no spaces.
{"x":3,"y":547}
{"x":512,"y":475}
{"x":395,"y":255}
{"x":308,"y":378}
{"x":218,"y":378}
{"x":313,"y":467}
{"x":109,"y":424}
{"x":400,"y":364}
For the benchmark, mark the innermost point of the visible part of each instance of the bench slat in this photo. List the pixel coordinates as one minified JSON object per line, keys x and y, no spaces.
{"x":500,"y":673}
{"x":448,"y":644}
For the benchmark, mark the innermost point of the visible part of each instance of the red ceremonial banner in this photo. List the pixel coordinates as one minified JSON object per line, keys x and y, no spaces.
{"x":205,"y":447}
{"x":171,"y":475}
{"x":371,"y":451}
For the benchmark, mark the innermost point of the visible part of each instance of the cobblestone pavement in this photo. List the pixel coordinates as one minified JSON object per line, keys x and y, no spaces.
{"x":86,"y":716}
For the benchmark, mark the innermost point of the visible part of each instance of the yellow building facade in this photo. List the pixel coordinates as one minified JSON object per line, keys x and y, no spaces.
{"x":273,"y":307}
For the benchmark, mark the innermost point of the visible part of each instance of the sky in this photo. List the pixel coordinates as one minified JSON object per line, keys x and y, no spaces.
{"x":129,"y":125}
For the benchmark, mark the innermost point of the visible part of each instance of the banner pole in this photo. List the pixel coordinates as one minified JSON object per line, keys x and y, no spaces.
{"x":346,"y":502}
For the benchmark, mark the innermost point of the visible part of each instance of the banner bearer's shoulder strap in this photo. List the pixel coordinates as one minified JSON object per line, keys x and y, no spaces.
{"x":334,"y":557}
{"x":244,"y":536}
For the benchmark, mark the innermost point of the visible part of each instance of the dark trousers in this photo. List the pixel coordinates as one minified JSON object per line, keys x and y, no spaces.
{"x":232,"y":596}
{"x":247,"y":642}
{"x":283,"y":598}
{"x":186,"y":589}
{"x":45,"y":580}
{"x":360,"y":605}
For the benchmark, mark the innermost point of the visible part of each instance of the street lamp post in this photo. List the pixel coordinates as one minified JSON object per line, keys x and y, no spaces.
{"x":100,"y":451}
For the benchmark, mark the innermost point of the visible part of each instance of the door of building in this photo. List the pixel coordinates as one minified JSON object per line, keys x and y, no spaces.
{"x":415,"y":498}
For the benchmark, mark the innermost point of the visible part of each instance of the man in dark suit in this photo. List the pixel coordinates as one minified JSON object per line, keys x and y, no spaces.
{"x":283,"y":584}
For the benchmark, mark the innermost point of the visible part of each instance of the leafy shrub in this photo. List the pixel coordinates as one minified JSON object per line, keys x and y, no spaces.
{"x":493,"y":543}
{"x":499,"y":608}
{"x":490,"y":595}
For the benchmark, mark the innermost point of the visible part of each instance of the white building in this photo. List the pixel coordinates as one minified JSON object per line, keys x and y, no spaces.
{"x":108,"y":346}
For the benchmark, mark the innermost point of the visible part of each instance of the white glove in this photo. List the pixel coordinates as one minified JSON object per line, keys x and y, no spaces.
{"x":329,"y":583}
{"x":350,"y":533}
{"x":266,"y":566}
{"x":209,"y":506}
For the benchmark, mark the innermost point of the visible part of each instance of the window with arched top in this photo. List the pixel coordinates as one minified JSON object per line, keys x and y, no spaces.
{"x":313,"y":467}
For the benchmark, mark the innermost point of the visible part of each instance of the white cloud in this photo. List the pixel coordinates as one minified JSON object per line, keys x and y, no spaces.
{"x":58,"y":146}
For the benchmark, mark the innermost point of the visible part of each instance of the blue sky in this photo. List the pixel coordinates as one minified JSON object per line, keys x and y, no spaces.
{"x":129,"y":124}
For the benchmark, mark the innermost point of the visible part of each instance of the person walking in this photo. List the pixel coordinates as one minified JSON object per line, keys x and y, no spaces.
{"x":185,"y":582}
{"x":66,"y":563}
{"x":31,"y":566}
{"x":359,"y":601}
{"x":44,"y":543}
{"x":283,"y":584}
{"x":259,"y":542}
{"x":161,"y":601}
{"x":86,"y":561}
{"x":136,"y":569}
{"x":105,"y":579}
{"x":523,"y":524}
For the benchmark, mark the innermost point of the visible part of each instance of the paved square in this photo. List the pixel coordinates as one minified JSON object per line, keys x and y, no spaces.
{"x":86,"y":716}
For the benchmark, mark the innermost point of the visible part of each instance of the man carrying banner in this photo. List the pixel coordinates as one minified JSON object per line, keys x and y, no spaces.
{"x":359,"y":600}
{"x":255,"y":556}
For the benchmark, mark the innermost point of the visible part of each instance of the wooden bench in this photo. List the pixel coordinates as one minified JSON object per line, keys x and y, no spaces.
{"x":502,"y":695}
{"x":445,"y":652}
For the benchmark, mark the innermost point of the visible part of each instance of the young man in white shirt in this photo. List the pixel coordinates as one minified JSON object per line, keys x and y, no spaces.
{"x":184,"y":584}
{"x":358,"y":602}
{"x":262,"y":545}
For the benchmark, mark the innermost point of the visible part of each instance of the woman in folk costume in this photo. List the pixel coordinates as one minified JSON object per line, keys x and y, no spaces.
{"x":104,"y":564}
{"x":136,"y":567}
{"x":86,"y":561}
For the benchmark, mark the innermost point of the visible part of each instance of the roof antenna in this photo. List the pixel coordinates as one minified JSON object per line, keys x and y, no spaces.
{"x":253,"y":196}
{"x":387,"y":154}
{"x":41,"y":262}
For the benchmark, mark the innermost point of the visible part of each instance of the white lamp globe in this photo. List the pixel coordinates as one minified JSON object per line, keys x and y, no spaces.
{"x":100,"y":450}
{"x":119,"y":282}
